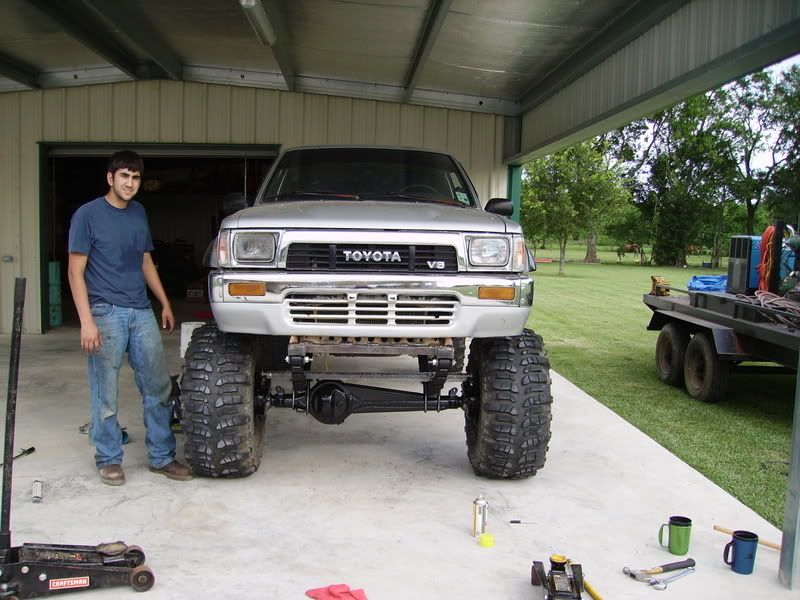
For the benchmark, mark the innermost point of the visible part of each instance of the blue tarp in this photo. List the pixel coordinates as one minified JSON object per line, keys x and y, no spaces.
{"x":707,"y":283}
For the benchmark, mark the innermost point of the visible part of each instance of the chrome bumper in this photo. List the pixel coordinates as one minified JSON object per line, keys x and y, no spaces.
{"x":371,"y":304}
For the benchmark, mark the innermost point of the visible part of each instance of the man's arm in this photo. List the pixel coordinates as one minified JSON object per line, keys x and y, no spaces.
{"x":90,"y":335}
{"x":154,"y":283}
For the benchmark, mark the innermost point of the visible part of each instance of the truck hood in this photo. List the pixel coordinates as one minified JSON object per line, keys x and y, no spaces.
{"x":368,"y":214}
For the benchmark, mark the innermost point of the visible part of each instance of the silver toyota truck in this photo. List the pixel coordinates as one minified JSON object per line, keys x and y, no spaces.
{"x":368,"y":253}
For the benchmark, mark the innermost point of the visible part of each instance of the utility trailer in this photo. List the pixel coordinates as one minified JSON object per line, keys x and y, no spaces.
{"x":705,"y":335}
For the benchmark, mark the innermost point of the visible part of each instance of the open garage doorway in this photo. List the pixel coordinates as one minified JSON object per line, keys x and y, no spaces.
{"x":186,"y":191}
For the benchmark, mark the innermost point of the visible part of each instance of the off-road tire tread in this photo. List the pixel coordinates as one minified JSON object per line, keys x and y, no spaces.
{"x":459,"y":351}
{"x":508,"y":437}
{"x":217,"y":398}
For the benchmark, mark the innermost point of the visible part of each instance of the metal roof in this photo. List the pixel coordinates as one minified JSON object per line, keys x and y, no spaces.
{"x":501,"y":57}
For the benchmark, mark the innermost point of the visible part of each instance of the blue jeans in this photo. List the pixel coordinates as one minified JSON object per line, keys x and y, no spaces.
{"x":135,"y":331}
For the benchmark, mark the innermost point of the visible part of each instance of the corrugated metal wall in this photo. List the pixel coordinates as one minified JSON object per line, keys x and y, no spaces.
{"x":700,"y":46}
{"x":176,"y":112}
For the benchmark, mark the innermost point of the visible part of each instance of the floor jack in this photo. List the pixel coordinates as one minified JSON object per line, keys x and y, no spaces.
{"x":564,"y":581}
{"x":34,"y":570}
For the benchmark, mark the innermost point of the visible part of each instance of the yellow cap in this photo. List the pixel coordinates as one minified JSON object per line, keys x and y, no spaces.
{"x":486,"y":540}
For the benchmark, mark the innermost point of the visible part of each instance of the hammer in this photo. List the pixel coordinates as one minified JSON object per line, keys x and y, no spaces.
{"x":647,"y":574}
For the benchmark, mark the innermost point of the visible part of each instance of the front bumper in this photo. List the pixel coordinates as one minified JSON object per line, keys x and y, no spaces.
{"x":372,"y":305}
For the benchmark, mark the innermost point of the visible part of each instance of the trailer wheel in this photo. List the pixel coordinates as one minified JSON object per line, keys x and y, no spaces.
{"x":705,"y":375}
{"x":217,"y":393}
{"x":141,"y":578}
{"x":670,"y":350}
{"x":508,"y":408}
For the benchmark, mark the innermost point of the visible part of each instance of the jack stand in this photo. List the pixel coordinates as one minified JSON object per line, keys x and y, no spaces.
{"x":34,"y":570}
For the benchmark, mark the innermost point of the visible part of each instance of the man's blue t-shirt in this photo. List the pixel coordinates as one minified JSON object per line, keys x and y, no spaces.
{"x":115,"y":240}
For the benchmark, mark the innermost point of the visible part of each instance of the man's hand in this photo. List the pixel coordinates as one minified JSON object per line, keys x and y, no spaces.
{"x":167,"y":318}
{"x":90,"y":338}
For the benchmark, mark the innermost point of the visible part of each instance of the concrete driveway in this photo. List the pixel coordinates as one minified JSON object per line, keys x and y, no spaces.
{"x":382,"y":502}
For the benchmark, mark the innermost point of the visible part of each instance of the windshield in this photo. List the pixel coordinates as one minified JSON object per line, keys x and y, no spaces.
{"x":367,"y":174}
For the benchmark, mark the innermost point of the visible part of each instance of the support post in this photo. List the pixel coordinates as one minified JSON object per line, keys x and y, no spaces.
{"x":11,"y":416}
{"x":789,"y":570}
{"x":515,"y":190}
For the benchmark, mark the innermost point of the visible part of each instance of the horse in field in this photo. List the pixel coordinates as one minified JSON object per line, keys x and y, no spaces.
{"x":630,"y":248}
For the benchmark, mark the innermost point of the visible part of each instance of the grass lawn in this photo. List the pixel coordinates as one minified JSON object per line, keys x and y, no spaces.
{"x":594,"y":324}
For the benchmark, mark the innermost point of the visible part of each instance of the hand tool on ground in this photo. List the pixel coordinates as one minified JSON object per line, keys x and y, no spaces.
{"x":772,"y":545}
{"x":647,"y":574}
{"x":521,"y":522}
{"x":660,"y":583}
{"x":23,"y":452}
{"x":33,"y":570}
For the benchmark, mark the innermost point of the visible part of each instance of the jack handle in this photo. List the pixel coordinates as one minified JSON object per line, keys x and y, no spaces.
{"x":772,"y":545}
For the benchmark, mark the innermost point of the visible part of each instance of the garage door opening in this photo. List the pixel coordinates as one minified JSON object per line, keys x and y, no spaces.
{"x":186,"y":193}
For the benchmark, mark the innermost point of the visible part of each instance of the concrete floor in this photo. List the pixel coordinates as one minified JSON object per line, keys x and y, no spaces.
{"x":382,"y":502}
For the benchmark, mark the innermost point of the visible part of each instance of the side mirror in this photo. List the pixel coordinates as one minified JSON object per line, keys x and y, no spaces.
{"x":500,"y":206}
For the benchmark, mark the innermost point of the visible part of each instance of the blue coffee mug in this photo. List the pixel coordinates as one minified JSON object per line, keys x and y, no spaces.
{"x":743,"y":550}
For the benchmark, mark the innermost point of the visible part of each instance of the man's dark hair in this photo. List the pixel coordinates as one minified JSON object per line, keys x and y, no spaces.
{"x":125,"y":159}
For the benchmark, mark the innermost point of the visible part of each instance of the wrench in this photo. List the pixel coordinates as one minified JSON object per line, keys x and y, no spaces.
{"x":660,"y":583}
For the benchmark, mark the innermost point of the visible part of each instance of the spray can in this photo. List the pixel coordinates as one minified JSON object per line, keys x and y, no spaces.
{"x":480,"y":513}
{"x":36,"y":491}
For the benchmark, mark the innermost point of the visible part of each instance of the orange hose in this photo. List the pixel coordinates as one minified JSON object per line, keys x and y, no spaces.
{"x":764,"y":267}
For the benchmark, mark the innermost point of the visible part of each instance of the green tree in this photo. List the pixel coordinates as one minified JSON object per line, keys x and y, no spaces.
{"x":755,"y":142}
{"x":576,"y":193}
{"x":783,"y":196}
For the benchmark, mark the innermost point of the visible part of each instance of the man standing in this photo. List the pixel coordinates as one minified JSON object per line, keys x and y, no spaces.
{"x":110,"y":268}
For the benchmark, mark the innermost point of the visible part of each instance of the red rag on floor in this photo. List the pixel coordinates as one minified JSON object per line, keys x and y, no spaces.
{"x":339,"y":591}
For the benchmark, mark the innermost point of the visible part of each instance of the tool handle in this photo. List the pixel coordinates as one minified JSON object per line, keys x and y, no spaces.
{"x":591,"y":591}
{"x":689,"y":562}
{"x":772,"y":545}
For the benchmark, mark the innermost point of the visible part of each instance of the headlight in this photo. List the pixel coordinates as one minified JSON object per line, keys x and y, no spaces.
{"x":488,"y":252}
{"x":254,"y":247}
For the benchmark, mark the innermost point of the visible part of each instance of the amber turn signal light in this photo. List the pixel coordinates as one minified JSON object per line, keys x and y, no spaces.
{"x":496,"y":293}
{"x":252,"y":288}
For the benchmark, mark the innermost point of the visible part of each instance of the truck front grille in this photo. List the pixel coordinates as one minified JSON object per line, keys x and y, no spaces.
{"x":340,"y":308}
{"x":372,"y":258}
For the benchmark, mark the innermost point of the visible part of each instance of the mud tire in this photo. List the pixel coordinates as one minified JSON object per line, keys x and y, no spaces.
{"x":217,"y":394}
{"x":508,"y":412}
{"x":459,"y":351}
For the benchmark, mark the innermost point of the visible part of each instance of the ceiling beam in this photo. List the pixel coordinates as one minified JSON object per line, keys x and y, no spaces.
{"x":131,"y":24}
{"x":86,"y":28}
{"x":271,"y":26}
{"x":16,"y":71}
{"x":433,"y":24}
{"x":619,"y":33}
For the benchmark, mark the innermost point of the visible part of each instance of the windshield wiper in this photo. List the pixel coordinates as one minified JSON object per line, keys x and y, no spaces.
{"x":302,"y":194}
{"x":399,"y":196}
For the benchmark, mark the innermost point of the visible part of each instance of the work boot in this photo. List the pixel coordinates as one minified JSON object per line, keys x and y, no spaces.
{"x":112,"y":475}
{"x":175,"y":470}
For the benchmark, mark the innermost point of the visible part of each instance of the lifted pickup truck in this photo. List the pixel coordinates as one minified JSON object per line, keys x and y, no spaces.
{"x":378,"y":252}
